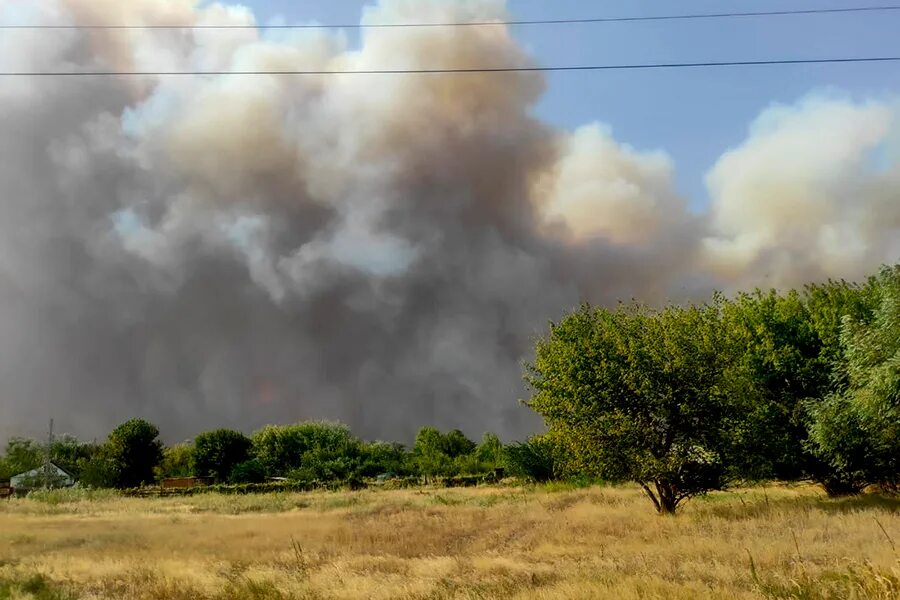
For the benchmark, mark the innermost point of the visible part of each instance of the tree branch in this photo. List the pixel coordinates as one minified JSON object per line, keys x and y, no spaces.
{"x":652,"y":496}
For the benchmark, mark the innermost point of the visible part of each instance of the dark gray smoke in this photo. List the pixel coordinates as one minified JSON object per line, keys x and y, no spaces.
{"x":240,"y":250}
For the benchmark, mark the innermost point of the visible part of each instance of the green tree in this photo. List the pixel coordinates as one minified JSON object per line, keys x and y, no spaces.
{"x":133,"y":450}
{"x":177,"y":461}
{"x":856,"y":430}
{"x":534,"y":459}
{"x":781,"y":360}
{"x":839,"y":437}
{"x":428,"y":457}
{"x":70,"y":453}
{"x":792,"y":353}
{"x":314,"y":450}
{"x":490,"y":451}
{"x":635,"y":394}
{"x":435,"y":453}
{"x":21,"y":455}
{"x":66,"y":451}
{"x":455,"y":443}
{"x":378,"y":458}
{"x":217,"y":452}
{"x":99,"y":470}
{"x":829,"y":304}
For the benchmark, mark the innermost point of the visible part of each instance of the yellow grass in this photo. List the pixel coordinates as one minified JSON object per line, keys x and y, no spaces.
{"x":500,"y":542}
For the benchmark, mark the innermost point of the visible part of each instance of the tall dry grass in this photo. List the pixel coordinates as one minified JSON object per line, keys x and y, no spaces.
{"x":532,"y":542}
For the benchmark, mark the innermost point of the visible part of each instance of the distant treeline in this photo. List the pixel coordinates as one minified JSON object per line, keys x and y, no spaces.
{"x":796,"y":385}
{"x":310,"y":453}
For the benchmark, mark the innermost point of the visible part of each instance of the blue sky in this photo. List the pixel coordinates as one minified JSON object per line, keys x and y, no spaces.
{"x":694,"y":115}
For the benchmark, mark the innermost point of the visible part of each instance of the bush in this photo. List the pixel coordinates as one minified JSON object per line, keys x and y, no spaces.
{"x":71,"y":494}
{"x":249,"y":471}
{"x":533,"y":459}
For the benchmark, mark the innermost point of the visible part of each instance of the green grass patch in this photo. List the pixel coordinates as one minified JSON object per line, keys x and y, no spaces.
{"x":33,"y":587}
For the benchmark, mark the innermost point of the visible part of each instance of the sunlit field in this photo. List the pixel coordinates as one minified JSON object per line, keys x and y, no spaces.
{"x":486,"y":542}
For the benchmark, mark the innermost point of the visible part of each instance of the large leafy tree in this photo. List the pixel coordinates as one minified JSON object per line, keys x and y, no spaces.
{"x":490,"y":450}
{"x":636,"y":394}
{"x":436,"y":453}
{"x":791,"y":353}
{"x":429,"y":456}
{"x":780,"y":358}
{"x":66,"y":451}
{"x":856,"y":430}
{"x":22,"y":454}
{"x":217,"y":452}
{"x":177,"y":461}
{"x":133,"y":451}
{"x":828,"y":305}
{"x":786,"y":361}
{"x":71,"y":454}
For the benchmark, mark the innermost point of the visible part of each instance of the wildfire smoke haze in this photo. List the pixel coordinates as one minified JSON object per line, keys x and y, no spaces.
{"x":239,"y":250}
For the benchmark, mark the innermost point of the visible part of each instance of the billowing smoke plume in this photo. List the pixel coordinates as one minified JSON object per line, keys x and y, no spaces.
{"x":814,"y":192}
{"x":237,"y":250}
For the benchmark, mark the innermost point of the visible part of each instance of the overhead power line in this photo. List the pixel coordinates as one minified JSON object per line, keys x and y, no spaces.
{"x":681,"y":17}
{"x":620,"y":67}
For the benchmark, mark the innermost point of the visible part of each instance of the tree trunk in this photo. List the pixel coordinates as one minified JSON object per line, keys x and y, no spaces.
{"x":668,"y":497}
{"x":651,"y":495}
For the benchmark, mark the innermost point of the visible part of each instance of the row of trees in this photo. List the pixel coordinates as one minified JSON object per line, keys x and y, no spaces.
{"x":322,"y":452}
{"x":767,"y":385}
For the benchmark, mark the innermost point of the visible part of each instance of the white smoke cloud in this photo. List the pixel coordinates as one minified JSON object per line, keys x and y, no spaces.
{"x":601,"y":188}
{"x":813,"y":192}
{"x":237,"y":250}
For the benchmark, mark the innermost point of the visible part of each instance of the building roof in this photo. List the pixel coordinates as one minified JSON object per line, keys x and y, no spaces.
{"x":17,"y":480}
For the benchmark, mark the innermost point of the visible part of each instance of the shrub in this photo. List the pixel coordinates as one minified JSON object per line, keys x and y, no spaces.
{"x":249,"y":471}
{"x":533,"y":459}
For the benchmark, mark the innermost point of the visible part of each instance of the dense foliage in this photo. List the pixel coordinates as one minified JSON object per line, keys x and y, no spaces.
{"x":129,"y":457}
{"x":767,"y":385}
{"x":217,"y":453}
{"x":802,"y":384}
{"x":856,"y":429}
{"x":641,"y":395}
{"x":177,"y":461}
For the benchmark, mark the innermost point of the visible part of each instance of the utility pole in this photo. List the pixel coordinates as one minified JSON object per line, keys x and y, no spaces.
{"x":47,"y":455}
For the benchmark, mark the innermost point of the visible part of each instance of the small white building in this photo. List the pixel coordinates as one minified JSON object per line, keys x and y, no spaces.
{"x":54,"y":477}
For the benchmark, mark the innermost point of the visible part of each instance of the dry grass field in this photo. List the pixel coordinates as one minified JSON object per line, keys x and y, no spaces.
{"x":494,"y":542}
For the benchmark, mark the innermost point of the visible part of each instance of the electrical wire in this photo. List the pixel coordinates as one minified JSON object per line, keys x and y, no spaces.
{"x":449,"y":71}
{"x":682,"y":17}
